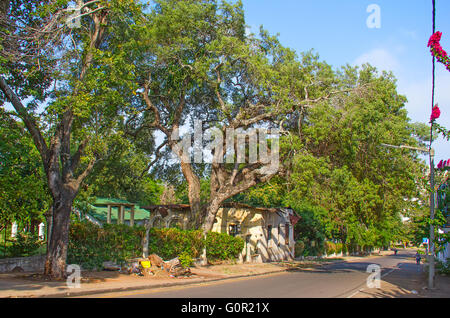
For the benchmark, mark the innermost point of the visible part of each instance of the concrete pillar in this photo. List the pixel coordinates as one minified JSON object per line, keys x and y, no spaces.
{"x":146,"y":239}
{"x":248,"y":257}
{"x":108,"y":216}
{"x":14,"y":230}
{"x":119,"y":215}
{"x":122,"y":220}
{"x":132,"y":216}
{"x":41,"y":231}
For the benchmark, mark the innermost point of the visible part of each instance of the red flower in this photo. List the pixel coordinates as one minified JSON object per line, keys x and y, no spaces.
{"x":437,"y":50}
{"x":443,"y":164}
{"x":435,"y":114}
{"x":435,"y":39}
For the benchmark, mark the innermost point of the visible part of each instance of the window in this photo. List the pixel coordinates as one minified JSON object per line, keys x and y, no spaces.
{"x":233,"y":229}
{"x":269,"y":233}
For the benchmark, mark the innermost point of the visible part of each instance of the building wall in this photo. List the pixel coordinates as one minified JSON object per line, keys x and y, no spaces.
{"x":173,"y":216}
{"x":27,"y":264}
{"x":254,"y":225}
{"x":260,"y":245}
{"x":445,"y":254}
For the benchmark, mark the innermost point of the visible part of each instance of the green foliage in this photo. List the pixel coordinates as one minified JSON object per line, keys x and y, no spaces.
{"x":443,"y":268}
{"x":221,"y":246}
{"x":23,"y":191}
{"x":310,"y":228}
{"x":24,"y":244}
{"x":330,"y":248}
{"x":299,"y":248}
{"x":170,"y":243}
{"x":336,"y":162}
{"x":186,"y":259}
{"x":266,"y":195}
{"x":339,"y":248}
{"x":121,"y":173}
{"x":90,"y":246}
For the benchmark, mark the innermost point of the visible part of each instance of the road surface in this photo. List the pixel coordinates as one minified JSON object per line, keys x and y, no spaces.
{"x":341,"y":280}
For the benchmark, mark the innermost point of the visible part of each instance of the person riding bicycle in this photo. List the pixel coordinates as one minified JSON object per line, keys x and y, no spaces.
{"x":418,"y":258}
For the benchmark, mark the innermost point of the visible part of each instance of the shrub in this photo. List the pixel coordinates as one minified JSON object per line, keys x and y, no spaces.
{"x":339,"y":248}
{"x":25,"y":244}
{"x":221,"y":246}
{"x":186,"y":259}
{"x":443,"y":268}
{"x":330,"y":248}
{"x":170,"y":243}
{"x":90,"y":246}
{"x":299,"y":248}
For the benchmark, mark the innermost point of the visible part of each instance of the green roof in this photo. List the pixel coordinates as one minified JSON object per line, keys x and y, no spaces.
{"x":99,"y":210}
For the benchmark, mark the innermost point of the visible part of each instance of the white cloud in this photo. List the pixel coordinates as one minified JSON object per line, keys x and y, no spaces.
{"x":416,"y":89}
{"x":418,"y":92}
{"x":382,"y":59}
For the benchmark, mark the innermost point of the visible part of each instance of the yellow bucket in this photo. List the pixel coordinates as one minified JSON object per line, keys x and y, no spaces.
{"x":145,"y":264}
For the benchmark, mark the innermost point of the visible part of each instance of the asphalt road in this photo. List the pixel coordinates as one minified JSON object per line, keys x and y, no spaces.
{"x":342,"y":280}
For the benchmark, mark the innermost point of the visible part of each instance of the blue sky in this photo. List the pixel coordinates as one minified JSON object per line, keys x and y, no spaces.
{"x":338,"y":32}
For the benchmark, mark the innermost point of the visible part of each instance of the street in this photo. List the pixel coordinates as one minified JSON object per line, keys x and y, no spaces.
{"x":341,"y":280}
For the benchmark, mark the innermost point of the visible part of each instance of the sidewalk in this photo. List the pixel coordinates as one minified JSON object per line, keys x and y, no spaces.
{"x":408,"y":280}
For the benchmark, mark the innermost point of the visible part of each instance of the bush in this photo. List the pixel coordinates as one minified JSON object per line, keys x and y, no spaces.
{"x":171,"y":243}
{"x":299,"y":248}
{"x":186,"y":260}
{"x":221,"y":246}
{"x":25,"y":244}
{"x":443,"y":268}
{"x":330,"y":248}
{"x":90,"y":246}
{"x":339,"y":248}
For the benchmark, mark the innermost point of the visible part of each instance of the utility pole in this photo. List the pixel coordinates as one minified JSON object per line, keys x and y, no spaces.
{"x":431,"y":247}
{"x":432,"y":205}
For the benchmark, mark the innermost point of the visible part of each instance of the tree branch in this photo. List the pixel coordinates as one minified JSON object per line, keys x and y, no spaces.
{"x":29,"y":121}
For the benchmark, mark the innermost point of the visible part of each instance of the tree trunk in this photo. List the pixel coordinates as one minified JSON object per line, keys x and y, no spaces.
{"x":193,"y":195}
{"x":55,"y":264}
{"x":211,"y":213}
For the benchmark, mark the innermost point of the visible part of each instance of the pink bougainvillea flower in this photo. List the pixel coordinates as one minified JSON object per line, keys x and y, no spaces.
{"x":435,"y":114}
{"x":437,"y":51}
{"x":435,"y":39}
{"x":443,"y":164}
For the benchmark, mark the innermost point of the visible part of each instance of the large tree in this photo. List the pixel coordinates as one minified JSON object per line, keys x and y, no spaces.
{"x":337,"y":160}
{"x":198,"y":63}
{"x":65,"y":80}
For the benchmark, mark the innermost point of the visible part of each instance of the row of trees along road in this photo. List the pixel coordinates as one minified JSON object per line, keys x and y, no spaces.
{"x":129,"y":70}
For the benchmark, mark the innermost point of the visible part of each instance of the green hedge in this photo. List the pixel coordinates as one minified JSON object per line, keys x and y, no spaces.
{"x":24,"y":244}
{"x":330,"y":248}
{"x":170,"y":243}
{"x":90,"y":246}
{"x":221,"y":246}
